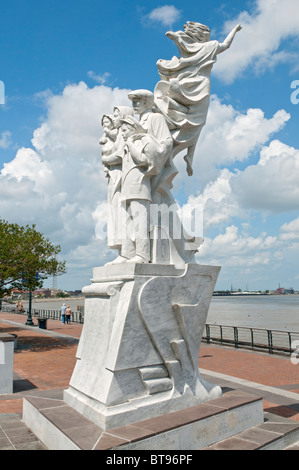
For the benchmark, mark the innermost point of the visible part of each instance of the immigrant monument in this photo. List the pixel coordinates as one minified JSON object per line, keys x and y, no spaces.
{"x":145,"y":311}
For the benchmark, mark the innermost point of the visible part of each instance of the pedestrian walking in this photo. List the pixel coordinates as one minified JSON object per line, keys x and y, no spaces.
{"x":79,"y":316}
{"x":62,"y":311}
{"x":68,"y":313}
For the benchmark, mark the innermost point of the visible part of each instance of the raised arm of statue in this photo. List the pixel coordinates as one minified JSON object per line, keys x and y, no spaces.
{"x":183,"y":93}
{"x":228,"y":40}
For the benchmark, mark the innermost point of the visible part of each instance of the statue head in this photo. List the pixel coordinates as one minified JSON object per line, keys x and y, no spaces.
{"x":120,"y":112}
{"x":107,"y":121}
{"x":142,"y":101}
{"x":130,"y":126}
{"x":197,"y":31}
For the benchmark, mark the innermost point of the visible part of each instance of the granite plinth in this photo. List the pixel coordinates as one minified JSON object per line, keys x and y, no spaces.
{"x":60,"y":427}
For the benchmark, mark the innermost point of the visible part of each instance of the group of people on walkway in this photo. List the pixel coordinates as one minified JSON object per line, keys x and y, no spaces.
{"x":66,"y":314}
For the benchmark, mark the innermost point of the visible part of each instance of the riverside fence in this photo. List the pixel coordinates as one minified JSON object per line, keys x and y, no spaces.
{"x":273,"y":341}
{"x":77,"y":316}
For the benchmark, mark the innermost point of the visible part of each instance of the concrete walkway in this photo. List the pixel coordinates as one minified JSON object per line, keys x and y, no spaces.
{"x":44,"y":361}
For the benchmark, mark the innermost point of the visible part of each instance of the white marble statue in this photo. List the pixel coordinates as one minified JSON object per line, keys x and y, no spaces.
{"x":139,"y":154}
{"x":173,"y":116}
{"x":183,"y":93}
{"x":145,"y":312}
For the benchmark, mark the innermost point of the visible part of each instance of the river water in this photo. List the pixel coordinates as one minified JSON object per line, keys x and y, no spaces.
{"x":275,"y":312}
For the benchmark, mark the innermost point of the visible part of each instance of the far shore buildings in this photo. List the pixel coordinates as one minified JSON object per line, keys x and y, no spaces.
{"x":23,"y":294}
{"x":43,"y":293}
{"x":282,"y":290}
{"x":239,"y":292}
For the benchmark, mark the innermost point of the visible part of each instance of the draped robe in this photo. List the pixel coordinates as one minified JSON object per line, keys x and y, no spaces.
{"x":183,"y":93}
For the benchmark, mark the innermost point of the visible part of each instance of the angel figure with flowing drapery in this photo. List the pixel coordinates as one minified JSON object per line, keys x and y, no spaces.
{"x":183,"y":93}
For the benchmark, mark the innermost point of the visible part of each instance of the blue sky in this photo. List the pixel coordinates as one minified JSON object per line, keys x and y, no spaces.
{"x":65,"y":63}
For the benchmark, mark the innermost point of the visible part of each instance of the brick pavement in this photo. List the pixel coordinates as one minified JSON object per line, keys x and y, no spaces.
{"x":45,"y":359}
{"x":261,"y":368}
{"x":272,"y":370}
{"x":41,"y":361}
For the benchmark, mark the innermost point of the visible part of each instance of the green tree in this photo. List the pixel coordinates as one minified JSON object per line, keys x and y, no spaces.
{"x":27,"y":258}
{"x":61,"y":295}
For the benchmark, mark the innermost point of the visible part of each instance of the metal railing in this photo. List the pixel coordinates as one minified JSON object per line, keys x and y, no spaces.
{"x":273,"y":341}
{"x":76,"y":317}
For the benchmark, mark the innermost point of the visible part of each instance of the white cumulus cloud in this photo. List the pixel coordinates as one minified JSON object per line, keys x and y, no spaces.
{"x":229,"y":136}
{"x":59,"y":182}
{"x":258,"y":44}
{"x":99,"y":78}
{"x":273,"y":183}
{"x":5,"y":139}
{"x":167,"y":15}
{"x":290,"y":231}
{"x":233,"y":248}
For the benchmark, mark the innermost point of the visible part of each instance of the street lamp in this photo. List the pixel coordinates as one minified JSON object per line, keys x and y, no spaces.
{"x":29,"y":318}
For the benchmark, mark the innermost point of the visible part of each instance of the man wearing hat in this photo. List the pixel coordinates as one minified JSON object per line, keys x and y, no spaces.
{"x":156,"y":149}
{"x":154,"y":123}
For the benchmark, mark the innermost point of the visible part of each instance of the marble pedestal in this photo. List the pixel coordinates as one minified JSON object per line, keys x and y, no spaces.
{"x":138,"y":353}
{"x":6,"y":363}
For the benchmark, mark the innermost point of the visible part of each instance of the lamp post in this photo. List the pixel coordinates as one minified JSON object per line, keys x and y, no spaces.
{"x":29,"y":318}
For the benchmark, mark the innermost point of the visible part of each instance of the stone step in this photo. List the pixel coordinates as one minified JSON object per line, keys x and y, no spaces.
{"x":276,"y":433}
{"x":153,"y":372}
{"x":155,"y":379}
{"x":60,"y":427}
{"x":158,"y":385}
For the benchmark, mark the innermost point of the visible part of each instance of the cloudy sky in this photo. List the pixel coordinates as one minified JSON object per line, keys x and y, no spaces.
{"x":66,"y":63}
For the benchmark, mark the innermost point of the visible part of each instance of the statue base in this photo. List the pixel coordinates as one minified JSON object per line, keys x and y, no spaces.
{"x":60,"y":427}
{"x":138,"y":353}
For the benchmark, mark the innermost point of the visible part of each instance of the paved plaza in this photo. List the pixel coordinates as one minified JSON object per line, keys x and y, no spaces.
{"x":44,"y":361}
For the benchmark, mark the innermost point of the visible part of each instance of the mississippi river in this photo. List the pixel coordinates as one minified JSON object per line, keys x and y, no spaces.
{"x":274,"y":312}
